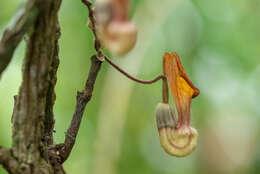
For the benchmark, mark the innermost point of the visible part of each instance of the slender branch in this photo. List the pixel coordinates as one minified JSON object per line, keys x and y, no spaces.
{"x":14,"y":32}
{"x":92,"y":26}
{"x":82,"y":99}
{"x":91,"y":16}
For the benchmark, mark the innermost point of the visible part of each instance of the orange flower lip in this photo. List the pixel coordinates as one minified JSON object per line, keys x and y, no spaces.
{"x":182,"y":88}
{"x":173,"y":60}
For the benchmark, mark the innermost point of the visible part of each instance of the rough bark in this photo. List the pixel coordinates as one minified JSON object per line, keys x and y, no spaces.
{"x":33,"y":117}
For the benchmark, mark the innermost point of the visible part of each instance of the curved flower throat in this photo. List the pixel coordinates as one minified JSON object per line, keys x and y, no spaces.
{"x":177,"y":137}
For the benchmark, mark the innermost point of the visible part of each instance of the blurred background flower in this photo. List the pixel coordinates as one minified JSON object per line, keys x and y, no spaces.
{"x":218,"y":42}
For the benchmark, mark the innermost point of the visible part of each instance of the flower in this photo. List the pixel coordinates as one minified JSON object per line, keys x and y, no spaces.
{"x":114,"y":30}
{"x":177,"y":137}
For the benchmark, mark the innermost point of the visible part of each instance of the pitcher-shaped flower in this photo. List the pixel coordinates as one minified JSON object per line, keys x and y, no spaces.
{"x":114,"y":30}
{"x":177,"y":137}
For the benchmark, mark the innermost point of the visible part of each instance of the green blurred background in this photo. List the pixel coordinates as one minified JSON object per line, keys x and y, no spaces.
{"x":219,"y":45}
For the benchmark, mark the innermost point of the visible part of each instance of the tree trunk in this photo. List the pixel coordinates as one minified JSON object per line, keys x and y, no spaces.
{"x":33,"y":117}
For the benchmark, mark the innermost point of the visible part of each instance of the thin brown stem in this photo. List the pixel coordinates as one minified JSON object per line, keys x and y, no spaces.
{"x":131,"y":77}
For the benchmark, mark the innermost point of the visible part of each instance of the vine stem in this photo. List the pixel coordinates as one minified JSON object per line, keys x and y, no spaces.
{"x":131,"y":77}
